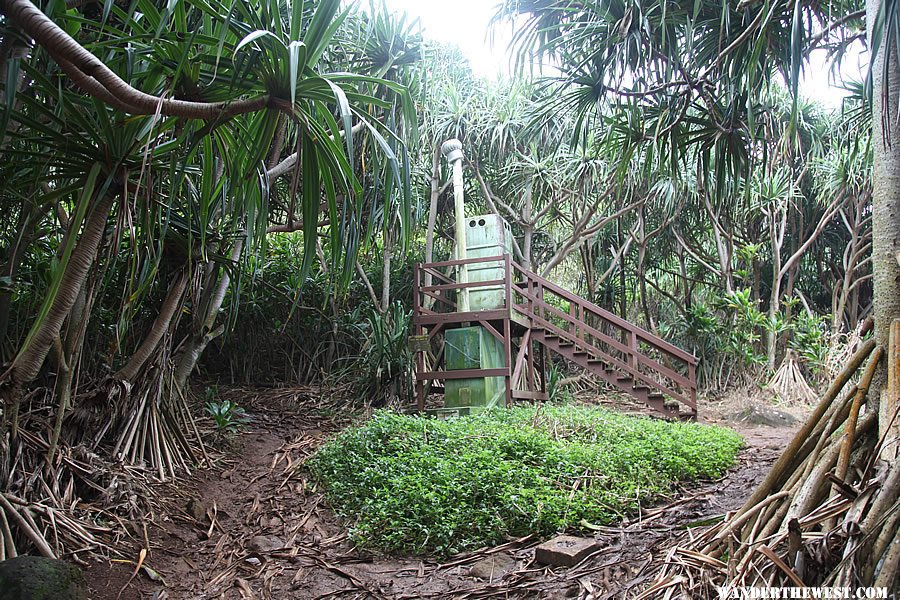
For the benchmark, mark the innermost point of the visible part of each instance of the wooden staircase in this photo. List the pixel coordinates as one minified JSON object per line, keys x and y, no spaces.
{"x":538,"y":312}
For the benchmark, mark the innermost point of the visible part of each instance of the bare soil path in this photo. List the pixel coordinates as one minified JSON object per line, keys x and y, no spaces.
{"x":255,"y":526}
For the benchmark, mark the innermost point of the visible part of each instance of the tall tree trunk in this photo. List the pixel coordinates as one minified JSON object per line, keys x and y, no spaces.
{"x":682,"y":267}
{"x":69,"y":352}
{"x":757,"y":279}
{"x":885,"y":199}
{"x":724,"y":247}
{"x":856,"y":256}
{"x":777,"y":226}
{"x":640,"y":272}
{"x":205,"y":331}
{"x":160,"y":326}
{"x":25,"y":228}
{"x":527,"y":224}
{"x":432,"y":212}
{"x":31,"y":356}
{"x":386,"y":272}
{"x":587,"y":267}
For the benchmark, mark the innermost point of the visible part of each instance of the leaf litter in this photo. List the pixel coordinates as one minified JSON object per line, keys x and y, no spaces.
{"x":256,"y":526}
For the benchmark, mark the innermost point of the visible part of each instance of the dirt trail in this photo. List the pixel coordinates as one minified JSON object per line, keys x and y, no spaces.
{"x":256,"y":527}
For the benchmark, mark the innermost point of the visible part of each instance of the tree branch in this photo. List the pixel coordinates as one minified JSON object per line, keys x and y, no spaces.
{"x":617,"y":258}
{"x":285,"y":165}
{"x":820,"y":227}
{"x":64,"y":49}
{"x":693,"y":254}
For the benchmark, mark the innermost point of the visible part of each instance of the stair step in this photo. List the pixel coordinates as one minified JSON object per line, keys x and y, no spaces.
{"x":657,"y":404}
{"x":640,"y":395}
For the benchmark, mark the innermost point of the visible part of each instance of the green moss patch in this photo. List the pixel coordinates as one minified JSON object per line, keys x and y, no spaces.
{"x":415,"y":485}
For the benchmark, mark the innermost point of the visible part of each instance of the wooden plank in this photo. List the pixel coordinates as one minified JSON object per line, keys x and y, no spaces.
{"x":507,"y":347}
{"x":529,"y":368}
{"x":462,"y":286}
{"x":486,"y":315}
{"x":543,"y":362}
{"x":418,"y":330}
{"x":468,"y":261}
{"x":463,"y":374}
{"x":529,"y":395}
{"x":437,"y":274}
{"x":493,"y":331}
{"x":435,"y":330}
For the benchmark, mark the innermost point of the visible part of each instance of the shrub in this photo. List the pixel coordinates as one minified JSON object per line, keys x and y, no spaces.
{"x":228,"y":416}
{"x":416,"y":485}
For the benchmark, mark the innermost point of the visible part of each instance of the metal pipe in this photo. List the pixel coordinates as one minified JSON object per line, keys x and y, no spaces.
{"x":452,"y":151}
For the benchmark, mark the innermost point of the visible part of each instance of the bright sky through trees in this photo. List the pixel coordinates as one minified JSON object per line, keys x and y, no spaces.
{"x":466,"y":24}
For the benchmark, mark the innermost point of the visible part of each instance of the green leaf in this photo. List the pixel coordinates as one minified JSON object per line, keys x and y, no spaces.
{"x":252,"y":37}
{"x":294,"y":49}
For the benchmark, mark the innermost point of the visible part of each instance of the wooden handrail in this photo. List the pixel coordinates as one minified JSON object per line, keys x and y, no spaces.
{"x":683,"y":380}
{"x":462,"y":286}
{"x":619,"y":364}
{"x":468,"y":261}
{"x":627,"y":355}
{"x":612,"y":318}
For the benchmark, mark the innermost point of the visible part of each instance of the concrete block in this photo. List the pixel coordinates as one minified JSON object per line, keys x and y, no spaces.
{"x":565,"y":550}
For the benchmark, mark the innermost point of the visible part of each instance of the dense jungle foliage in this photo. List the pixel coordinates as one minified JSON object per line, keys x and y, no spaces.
{"x":737,"y":244}
{"x":198,"y":193}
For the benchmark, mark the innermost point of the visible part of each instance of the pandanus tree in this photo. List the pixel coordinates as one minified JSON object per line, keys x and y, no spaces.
{"x":686,"y":85}
{"x":688,"y":79}
{"x":174,"y":136}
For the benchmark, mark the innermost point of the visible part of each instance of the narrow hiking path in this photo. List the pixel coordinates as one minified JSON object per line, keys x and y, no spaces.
{"x":255,"y":526}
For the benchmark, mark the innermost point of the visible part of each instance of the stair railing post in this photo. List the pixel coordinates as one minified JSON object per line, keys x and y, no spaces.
{"x":633,"y":348}
{"x":507,"y":280}
{"x":692,"y":375}
{"x":573,"y":312}
{"x":532,"y":381}
{"x":542,"y":360}
{"x":540,"y":291}
{"x":584,"y":333}
{"x":420,"y":332}
{"x":529,"y":290}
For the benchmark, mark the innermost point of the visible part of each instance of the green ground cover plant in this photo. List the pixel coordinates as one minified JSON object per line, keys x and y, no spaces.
{"x":414,"y":485}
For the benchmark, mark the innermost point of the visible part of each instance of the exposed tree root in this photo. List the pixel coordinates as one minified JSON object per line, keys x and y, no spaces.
{"x":59,"y":508}
{"x":788,"y":383}
{"x":827,"y":513}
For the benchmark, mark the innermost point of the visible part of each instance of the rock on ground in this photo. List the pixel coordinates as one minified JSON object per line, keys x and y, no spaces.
{"x":39,"y":578}
{"x":757,"y":414}
{"x":493,"y":568}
